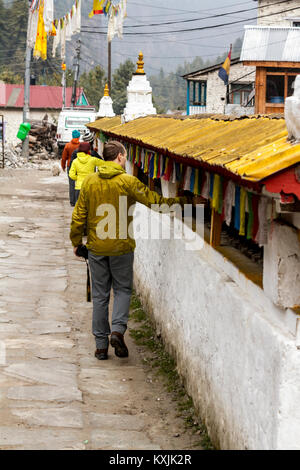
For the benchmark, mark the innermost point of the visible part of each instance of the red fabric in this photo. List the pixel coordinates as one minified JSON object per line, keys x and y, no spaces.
{"x":169,"y":170}
{"x":67,"y":153}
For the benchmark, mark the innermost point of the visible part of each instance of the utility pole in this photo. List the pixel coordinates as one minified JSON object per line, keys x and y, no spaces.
{"x":25,"y":145}
{"x":77,"y":58}
{"x":109,"y":66}
{"x":63,"y":82}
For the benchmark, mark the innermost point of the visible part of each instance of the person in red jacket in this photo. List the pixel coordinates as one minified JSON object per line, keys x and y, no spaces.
{"x":66,"y":161}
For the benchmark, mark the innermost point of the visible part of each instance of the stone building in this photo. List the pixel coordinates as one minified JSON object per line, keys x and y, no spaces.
{"x":273,"y":46}
{"x":272,"y":13}
{"x":207,"y":93}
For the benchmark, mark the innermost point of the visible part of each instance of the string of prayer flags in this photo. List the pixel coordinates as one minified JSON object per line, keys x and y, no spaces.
{"x":223,"y":193}
{"x":41,"y":24}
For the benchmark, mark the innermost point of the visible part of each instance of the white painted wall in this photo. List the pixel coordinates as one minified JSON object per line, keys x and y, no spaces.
{"x":14,"y":117}
{"x":236,"y":350}
{"x":282,"y":18}
{"x":282,"y":266}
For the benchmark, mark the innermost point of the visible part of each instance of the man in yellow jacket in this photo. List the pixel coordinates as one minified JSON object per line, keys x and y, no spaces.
{"x":100,"y":206}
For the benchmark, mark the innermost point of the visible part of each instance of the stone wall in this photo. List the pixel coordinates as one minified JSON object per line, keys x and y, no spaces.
{"x":281,"y":18}
{"x":236,"y":351}
{"x":216,"y":90}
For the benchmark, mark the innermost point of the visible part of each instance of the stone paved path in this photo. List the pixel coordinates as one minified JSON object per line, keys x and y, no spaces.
{"x":53,"y":393}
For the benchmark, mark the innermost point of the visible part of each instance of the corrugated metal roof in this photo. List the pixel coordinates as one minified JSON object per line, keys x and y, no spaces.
{"x":41,"y":97}
{"x":253,"y":148}
{"x":271,"y":43}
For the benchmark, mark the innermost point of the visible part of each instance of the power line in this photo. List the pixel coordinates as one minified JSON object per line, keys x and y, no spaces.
{"x":194,"y":29}
{"x":203,"y":18}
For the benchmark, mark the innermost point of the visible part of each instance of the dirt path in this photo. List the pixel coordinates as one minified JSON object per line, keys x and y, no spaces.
{"x":54,"y":394}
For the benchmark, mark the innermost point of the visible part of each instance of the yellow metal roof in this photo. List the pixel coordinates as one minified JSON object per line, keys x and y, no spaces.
{"x":252,"y":148}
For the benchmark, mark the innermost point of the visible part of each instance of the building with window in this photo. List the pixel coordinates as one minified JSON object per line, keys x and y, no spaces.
{"x":273,"y":47}
{"x":207,"y":93}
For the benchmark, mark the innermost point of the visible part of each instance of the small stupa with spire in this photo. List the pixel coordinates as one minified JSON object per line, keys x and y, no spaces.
{"x":139,"y":95}
{"x":106,"y":105}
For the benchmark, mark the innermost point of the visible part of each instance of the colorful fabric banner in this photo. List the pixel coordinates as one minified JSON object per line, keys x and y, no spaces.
{"x":187,"y":179}
{"x":243,"y":195}
{"x":174,"y":173}
{"x":216,"y":192}
{"x":224,"y":70}
{"x":237,"y":208}
{"x":255,"y":201}
{"x":40,"y":48}
{"x":263,"y":226}
{"x":229,"y":202}
{"x":205,"y":187}
{"x":211,"y":185}
{"x":97,"y":8}
{"x":250,"y":217}
{"x":169,"y":169}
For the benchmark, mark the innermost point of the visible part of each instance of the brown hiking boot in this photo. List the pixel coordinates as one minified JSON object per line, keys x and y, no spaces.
{"x":117,"y":342}
{"x":101,"y":354}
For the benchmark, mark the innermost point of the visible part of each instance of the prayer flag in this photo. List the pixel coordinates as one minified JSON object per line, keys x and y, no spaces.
{"x":224,"y":70}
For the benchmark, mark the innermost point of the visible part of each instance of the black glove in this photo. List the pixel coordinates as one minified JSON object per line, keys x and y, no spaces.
{"x":82,"y":252}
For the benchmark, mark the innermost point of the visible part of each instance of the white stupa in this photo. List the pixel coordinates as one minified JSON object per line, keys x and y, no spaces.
{"x":139,"y":95}
{"x":106,"y":105}
{"x":292,"y":112}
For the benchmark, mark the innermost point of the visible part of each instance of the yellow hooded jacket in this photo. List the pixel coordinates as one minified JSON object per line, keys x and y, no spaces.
{"x":82,"y":166}
{"x":105,"y":187}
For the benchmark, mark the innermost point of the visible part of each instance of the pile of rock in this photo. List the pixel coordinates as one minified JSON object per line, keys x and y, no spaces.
{"x":13,"y":158}
{"x":42,"y":139}
{"x":42,"y":147}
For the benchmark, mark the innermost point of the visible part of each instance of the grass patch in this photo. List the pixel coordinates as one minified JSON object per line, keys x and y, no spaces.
{"x":164,"y":365}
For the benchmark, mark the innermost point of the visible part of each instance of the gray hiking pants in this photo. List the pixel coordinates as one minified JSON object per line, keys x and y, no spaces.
{"x":107,"y":272}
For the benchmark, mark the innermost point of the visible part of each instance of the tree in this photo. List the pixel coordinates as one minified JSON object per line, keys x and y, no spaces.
{"x":8,"y":76}
{"x":121,"y":78}
{"x":93,"y":83}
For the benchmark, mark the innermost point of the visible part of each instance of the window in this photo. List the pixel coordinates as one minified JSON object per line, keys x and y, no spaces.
{"x":296,"y":24}
{"x":291,"y":80}
{"x":240,"y":93}
{"x":275,"y":89}
{"x":199,"y":93}
{"x":77,"y":122}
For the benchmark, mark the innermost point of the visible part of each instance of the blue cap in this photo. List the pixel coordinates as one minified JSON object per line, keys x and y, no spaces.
{"x":75,"y":134}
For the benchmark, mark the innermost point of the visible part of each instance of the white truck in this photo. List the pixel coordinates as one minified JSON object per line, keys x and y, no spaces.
{"x":70,"y":119}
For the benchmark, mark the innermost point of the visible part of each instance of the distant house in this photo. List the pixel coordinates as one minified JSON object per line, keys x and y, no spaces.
{"x":207,"y":93}
{"x":273,"y":47}
{"x":43,"y":100}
